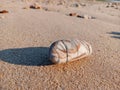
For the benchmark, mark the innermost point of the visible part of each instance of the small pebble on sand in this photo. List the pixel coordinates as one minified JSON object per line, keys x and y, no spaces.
{"x":85,"y":16}
{"x":113,"y":5}
{"x":73,"y":14}
{"x":35,"y":6}
{"x":3,"y":11}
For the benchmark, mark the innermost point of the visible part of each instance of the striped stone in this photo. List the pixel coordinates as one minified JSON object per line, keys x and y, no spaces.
{"x":63,"y":51}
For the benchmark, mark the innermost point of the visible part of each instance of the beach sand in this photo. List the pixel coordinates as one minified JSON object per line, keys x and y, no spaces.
{"x":26,"y":34}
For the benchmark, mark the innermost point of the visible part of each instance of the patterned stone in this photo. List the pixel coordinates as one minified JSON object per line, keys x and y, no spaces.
{"x":63,"y":51}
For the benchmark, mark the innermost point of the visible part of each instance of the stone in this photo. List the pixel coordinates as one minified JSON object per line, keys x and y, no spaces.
{"x":35,"y":6}
{"x":63,"y":51}
{"x":72,"y":14}
{"x":113,"y":5}
{"x":109,"y":5}
{"x":85,"y":16}
{"x":3,"y":11}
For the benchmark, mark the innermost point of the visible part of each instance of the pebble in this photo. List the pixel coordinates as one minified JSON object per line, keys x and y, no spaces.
{"x":85,"y":16}
{"x":35,"y":6}
{"x":72,"y":14}
{"x":114,"y":5}
{"x":3,"y":11}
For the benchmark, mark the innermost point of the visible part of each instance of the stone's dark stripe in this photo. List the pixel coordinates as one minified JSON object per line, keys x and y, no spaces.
{"x":62,"y":50}
{"x":66,"y":51}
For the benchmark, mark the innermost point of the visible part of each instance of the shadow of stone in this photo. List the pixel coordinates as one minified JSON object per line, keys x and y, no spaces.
{"x":117,"y":37}
{"x":115,"y":34}
{"x":31,"y":56}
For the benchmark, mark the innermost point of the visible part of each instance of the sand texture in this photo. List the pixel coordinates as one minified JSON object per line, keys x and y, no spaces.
{"x":26,"y":34}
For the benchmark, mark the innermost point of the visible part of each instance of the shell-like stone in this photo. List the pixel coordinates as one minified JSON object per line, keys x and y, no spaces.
{"x":63,"y":51}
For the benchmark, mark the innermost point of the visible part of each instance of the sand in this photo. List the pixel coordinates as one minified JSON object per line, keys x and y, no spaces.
{"x":25,"y":37}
